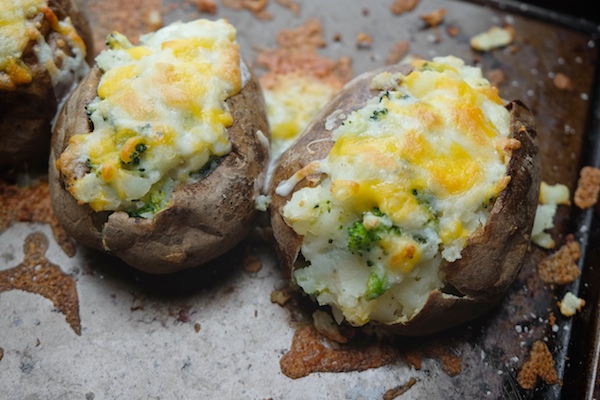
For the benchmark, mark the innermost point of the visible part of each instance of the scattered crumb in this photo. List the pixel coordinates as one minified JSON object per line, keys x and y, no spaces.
{"x":588,"y":186}
{"x":281,"y":296}
{"x":399,"y":390}
{"x":401,"y":6}
{"x":435,"y":17}
{"x":337,"y":37}
{"x":495,"y":77}
{"x":398,"y":51}
{"x":197,"y":327}
{"x":326,"y":326}
{"x":540,"y":364}
{"x":206,"y":6}
{"x":363,"y":41}
{"x":1,"y":353}
{"x":252,"y":263}
{"x":552,"y":319}
{"x":555,"y":194}
{"x":453,"y":30}
{"x":562,"y":82}
{"x":570,"y":304}
{"x":291,"y":5}
{"x":154,"y":20}
{"x":493,"y":38}
{"x":560,"y":267}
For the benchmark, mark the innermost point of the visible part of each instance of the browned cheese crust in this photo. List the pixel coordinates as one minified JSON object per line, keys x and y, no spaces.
{"x":203,"y":219}
{"x":27,"y":111}
{"x":493,"y":255}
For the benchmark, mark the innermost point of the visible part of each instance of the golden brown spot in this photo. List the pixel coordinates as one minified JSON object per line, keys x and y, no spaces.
{"x":539,"y":365}
{"x":36,"y":274}
{"x":435,"y":17}
{"x":560,"y":267}
{"x":401,"y":6}
{"x":588,"y":186}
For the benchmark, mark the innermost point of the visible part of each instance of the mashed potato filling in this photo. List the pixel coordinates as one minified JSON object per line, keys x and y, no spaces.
{"x":410,"y":177}
{"x":160,"y":117}
{"x":19,"y":27}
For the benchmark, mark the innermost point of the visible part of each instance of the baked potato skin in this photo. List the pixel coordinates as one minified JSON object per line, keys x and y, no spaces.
{"x":492,"y":256}
{"x":27,"y":111}
{"x":203,"y":219}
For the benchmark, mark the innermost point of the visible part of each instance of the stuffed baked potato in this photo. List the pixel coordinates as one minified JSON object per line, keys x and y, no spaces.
{"x":45,"y":48}
{"x":408,"y":202}
{"x":158,"y":155}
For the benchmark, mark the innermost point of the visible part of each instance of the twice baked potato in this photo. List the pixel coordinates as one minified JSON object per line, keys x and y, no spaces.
{"x":408,"y":202}
{"x":45,"y":48}
{"x":158,"y":155}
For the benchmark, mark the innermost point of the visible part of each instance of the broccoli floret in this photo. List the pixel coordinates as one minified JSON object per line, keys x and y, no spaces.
{"x":152,"y":206}
{"x":361,"y":239}
{"x":376,"y":286}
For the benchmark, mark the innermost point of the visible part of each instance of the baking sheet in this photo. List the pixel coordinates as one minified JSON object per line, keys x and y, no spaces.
{"x":215,"y":333}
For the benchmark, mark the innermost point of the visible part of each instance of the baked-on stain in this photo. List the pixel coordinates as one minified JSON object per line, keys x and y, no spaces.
{"x":310,"y":354}
{"x":399,"y":390}
{"x":36,"y":274}
{"x":32,"y":204}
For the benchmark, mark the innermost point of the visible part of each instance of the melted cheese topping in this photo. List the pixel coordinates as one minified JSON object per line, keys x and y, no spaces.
{"x":18,"y":27}
{"x":160,"y":117}
{"x":410,"y":177}
{"x":291,"y":103}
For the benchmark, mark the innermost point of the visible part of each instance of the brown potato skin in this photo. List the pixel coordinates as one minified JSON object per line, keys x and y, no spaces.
{"x":26,"y":112}
{"x":492,"y":257}
{"x":203,"y":220}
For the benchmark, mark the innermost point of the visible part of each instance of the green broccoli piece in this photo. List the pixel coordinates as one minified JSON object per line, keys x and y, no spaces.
{"x":360,"y":238}
{"x":155,"y":204}
{"x":376,"y":286}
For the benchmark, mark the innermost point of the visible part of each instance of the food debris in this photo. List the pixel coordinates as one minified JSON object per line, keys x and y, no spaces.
{"x":206,"y":6}
{"x":250,"y":262}
{"x":570,"y":304}
{"x":401,"y":6}
{"x":363,"y":40}
{"x":326,"y":326}
{"x":451,"y":363}
{"x":291,"y":5}
{"x":560,"y":267}
{"x":588,"y":186}
{"x":197,"y":327}
{"x":257,"y":7}
{"x":398,"y":51}
{"x":494,"y":38}
{"x":32,"y":204}
{"x":399,"y":390}
{"x":309,"y":354}
{"x":453,"y":30}
{"x":1,"y":353}
{"x":281,"y":296}
{"x":36,"y":274}
{"x":435,"y":17}
{"x":495,"y":77}
{"x":550,"y":197}
{"x":540,"y":364}
{"x":562,"y":81}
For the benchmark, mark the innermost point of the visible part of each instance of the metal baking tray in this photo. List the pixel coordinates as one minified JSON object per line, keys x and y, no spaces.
{"x":214,"y":332}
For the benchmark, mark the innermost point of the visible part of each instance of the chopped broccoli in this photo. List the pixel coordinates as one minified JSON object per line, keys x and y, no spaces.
{"x":152,"y":206}
{"x":376,"y":286}
{"x":361,"y":239}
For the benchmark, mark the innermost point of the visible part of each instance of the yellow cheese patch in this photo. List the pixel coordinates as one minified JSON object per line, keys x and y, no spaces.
{"x":159,"y":117}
